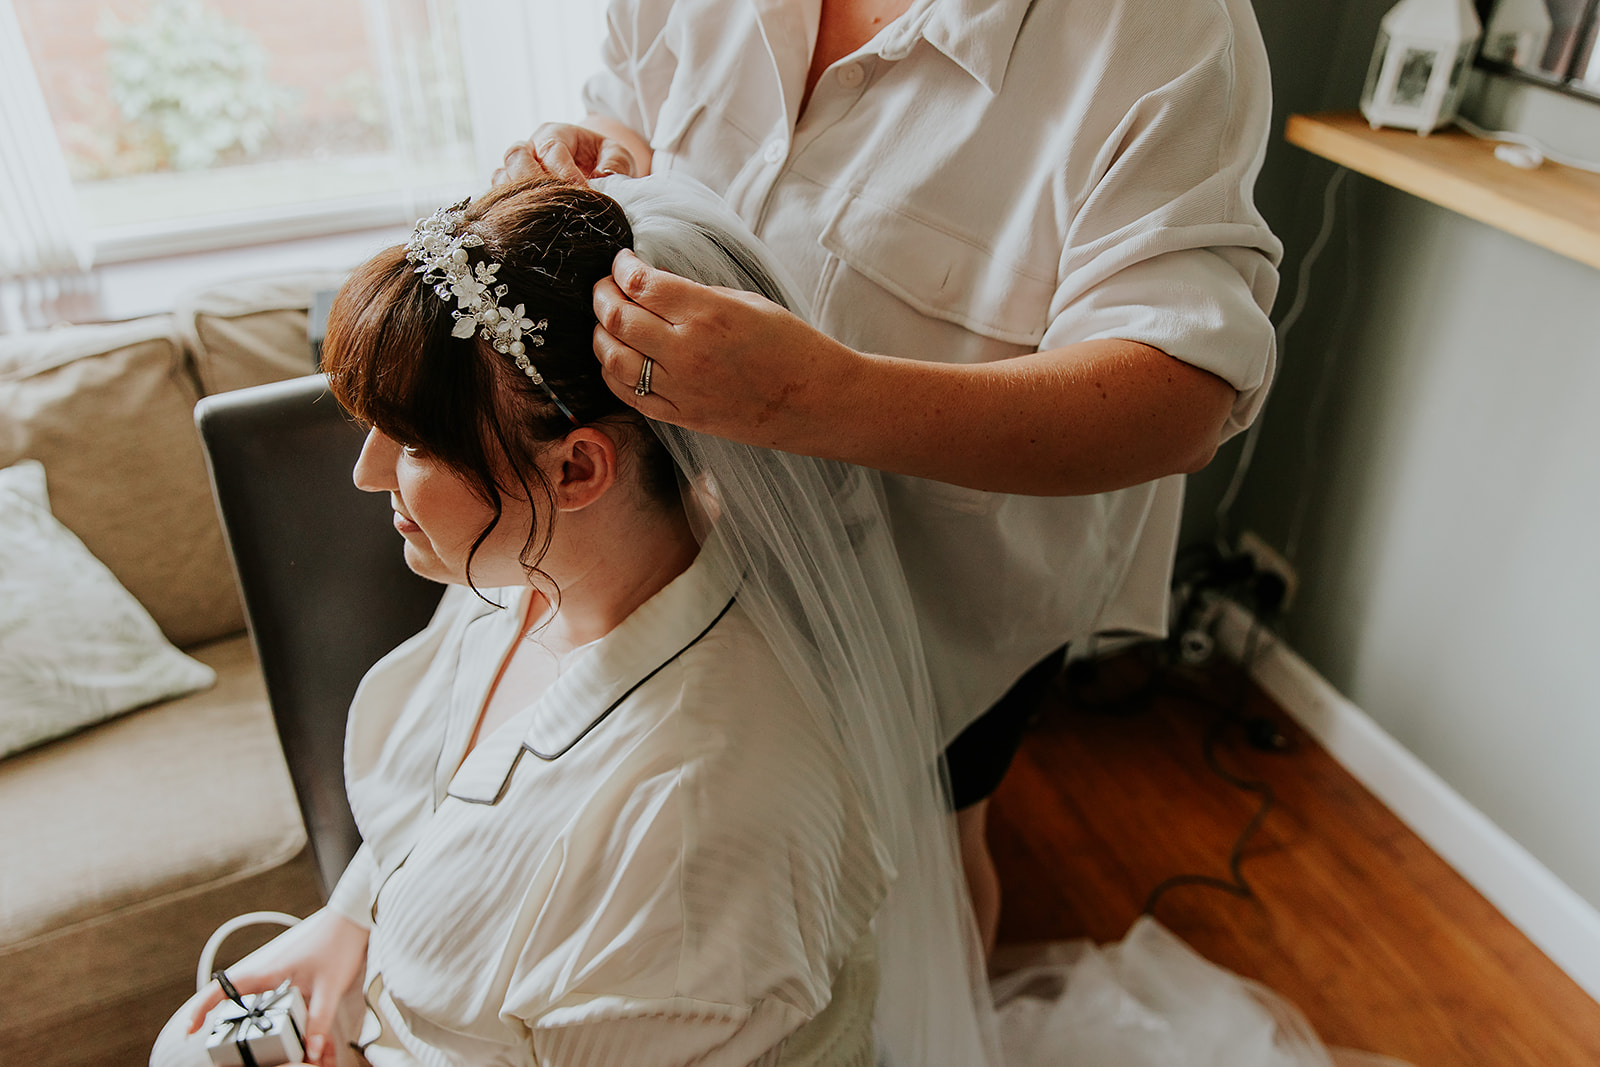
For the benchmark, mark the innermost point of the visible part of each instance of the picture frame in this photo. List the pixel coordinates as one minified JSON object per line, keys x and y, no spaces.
{"x":1570,"y":52}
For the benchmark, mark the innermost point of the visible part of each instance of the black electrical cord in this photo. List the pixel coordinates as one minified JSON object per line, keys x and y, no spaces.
{"x":1262,"y":733}
{"x":1089,"y":691}
{"x":1236,"y":883}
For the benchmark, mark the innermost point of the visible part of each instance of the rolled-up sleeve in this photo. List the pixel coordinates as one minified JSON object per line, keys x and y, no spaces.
{"x":1165,"y":245}
{"x":1205,"y":306}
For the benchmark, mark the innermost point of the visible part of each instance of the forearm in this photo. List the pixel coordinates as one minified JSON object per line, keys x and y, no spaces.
{"x":1088,"y":418}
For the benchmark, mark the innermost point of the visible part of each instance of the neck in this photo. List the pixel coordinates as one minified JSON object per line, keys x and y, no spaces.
{"x":606,"y":565}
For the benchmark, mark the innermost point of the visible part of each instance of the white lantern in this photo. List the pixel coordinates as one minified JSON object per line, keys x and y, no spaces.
{"x":1518,"y":33}
{"x":1420,"y":64}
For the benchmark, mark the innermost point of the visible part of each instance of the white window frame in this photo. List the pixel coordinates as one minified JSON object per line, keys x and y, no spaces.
{"x":524,"y":63}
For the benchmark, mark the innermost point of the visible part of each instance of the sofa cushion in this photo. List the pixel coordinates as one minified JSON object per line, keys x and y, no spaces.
{"x":126,"y":846}
{"x":75,"y":647}
{"x":184,"y":794}
{"x":108,"y":410}
{"x":251,"y":332}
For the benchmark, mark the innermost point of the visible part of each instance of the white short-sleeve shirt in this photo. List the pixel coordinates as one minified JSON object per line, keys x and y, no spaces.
{"x":984,"y":179}
{"x":660,"y":861}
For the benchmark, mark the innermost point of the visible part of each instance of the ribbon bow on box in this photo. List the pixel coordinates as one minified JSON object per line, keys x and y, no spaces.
{"x":258,"y":1030}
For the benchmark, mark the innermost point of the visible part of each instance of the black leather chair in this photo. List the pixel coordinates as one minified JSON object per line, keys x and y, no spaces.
{"x":326,"y":589}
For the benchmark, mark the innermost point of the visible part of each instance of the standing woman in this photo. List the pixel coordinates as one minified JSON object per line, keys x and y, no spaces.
{"x":1040,"y":289}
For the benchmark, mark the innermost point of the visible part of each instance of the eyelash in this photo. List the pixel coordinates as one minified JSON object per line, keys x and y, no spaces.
{"x":411,"y":450}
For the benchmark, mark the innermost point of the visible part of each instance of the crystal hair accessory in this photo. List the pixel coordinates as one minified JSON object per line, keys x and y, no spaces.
{"x":440,"y":254}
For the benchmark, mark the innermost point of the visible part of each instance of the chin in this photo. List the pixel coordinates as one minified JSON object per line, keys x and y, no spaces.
{"x":426,"y":565}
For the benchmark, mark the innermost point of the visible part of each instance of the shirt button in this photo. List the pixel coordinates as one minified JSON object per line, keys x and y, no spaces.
{"x":851,"y":76}
{"x":775,"y":151}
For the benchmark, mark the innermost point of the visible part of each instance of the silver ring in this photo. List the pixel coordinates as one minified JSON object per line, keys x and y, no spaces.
{"x":643,"y":388}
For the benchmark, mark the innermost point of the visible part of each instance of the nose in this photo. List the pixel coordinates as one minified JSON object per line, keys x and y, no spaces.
{"x":374,"y":469}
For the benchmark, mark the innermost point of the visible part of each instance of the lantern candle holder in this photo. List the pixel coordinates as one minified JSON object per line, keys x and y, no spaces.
{"x":1518,"y":33}
{"x":1419,"y":65}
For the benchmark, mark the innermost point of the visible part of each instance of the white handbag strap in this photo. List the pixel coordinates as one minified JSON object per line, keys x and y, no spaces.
{"x":208,"y":955}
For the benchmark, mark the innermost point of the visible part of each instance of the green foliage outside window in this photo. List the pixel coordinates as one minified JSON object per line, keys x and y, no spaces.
{"x":191,"y":85}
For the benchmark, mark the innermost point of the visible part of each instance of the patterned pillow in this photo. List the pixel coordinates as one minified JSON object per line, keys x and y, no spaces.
{"x":75,"y":647}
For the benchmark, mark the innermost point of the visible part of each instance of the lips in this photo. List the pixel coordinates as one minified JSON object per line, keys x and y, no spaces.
{"x":405,"y":525}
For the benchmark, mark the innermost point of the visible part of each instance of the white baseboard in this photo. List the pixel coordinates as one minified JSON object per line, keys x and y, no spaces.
{"x":1562,"y":924}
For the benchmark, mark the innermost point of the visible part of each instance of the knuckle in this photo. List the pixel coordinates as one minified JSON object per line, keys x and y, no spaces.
{"x":552,"y":149}
{"x":610,"y":316}
{"x":715,"y":320}
{"x":635,"y":279}
{"x":618,"y":159}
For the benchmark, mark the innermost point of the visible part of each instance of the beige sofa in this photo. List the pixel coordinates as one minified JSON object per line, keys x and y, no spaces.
{"x":122,"y":847}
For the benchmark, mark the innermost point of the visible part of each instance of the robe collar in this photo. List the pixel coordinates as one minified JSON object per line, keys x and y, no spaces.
{"x":596,"y":680}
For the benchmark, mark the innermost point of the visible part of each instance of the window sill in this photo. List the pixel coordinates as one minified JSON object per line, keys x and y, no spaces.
{"x":239,"y":230}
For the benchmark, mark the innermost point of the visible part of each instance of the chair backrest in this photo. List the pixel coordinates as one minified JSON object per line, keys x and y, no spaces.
{"x":326,"y":589}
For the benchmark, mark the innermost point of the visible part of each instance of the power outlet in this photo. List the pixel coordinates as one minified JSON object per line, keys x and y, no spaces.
{"x":1268,"y":560}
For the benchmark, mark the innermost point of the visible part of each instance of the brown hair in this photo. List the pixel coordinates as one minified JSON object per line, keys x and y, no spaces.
{"x":392,"y":362}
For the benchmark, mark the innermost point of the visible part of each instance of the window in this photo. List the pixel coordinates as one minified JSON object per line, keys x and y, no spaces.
{"x":187,"y":125}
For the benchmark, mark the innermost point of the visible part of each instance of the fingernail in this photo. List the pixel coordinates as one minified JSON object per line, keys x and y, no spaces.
{"x":314,"y":1048}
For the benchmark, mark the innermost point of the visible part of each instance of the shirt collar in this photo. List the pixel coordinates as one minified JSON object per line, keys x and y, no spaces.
{"x":600,"y":676}
{"x":977,"y":35}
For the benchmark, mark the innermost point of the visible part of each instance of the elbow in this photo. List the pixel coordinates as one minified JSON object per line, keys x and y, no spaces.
{"x":1207,"y":413}
{"x":1200,"y":454}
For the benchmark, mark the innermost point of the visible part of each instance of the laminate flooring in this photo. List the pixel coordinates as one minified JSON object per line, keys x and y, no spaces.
{"x":1353,"y":918}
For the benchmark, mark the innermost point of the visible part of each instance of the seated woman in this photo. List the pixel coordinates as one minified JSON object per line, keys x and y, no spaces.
{"x":657,"y":785}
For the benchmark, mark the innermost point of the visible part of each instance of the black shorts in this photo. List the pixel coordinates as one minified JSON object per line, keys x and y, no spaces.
{"x":982,"y":753}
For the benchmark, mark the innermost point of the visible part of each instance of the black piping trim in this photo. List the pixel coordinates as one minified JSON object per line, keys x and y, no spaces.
{"x":455,"y":673}
{"x":504,"y":785}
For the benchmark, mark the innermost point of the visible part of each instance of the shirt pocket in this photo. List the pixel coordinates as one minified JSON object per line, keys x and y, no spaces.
{"x":941,"y":274}
{"x":694,"y":134}
{"x":672,"y":122}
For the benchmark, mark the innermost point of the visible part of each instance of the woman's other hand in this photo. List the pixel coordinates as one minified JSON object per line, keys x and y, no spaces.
{"x":573,"y":153}
{"x":724,"y":362}
{"x":322,"y":957}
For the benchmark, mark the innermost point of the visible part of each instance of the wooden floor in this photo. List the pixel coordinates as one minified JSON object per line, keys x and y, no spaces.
{"x":1355,"y":920}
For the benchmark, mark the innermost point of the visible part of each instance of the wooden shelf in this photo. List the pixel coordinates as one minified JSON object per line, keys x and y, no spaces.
{"x":1555,"y":207}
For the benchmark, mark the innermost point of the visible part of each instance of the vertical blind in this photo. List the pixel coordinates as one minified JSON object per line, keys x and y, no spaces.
{"x":525,"y":64}
{"x":41,"y":231}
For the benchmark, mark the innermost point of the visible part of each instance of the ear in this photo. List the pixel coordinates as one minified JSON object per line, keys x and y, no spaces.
{"x":583,"y":466}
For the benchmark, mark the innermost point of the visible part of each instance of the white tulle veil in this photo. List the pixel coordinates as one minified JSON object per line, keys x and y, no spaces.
{"x":820,"y":575}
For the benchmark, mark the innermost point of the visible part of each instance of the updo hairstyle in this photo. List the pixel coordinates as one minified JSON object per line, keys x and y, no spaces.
{"x":392,"y":362}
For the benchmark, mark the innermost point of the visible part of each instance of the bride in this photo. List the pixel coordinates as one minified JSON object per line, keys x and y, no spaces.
{"x":659,"y":782}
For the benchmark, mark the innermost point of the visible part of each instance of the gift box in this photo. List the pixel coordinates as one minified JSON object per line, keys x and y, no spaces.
{"x":259,"y":1029}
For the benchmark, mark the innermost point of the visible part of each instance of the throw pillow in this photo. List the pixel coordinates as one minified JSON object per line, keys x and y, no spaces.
{"x":75,"y":647}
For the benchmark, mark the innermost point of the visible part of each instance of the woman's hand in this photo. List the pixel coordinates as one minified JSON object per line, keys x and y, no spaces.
{"x":322,"y":957}
{"x":1088,"y":417}
{"x":577,"y":153}
{"x":725,"y":362}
